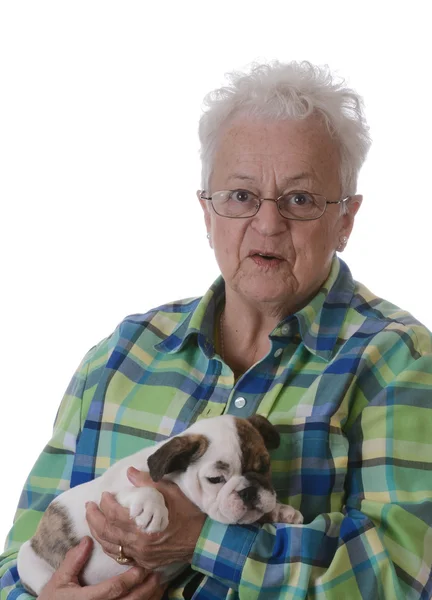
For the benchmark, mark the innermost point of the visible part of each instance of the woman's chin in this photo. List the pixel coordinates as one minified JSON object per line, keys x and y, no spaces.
{"x":267,"y":291}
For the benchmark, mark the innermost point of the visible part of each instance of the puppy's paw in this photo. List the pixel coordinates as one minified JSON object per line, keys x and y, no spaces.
{"x":147,"y":506}
{"x":283,"y":513}
{"x":153,"y":519}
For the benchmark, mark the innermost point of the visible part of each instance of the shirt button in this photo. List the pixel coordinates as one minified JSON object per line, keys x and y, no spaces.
{"x":278,"y":352}
{"x":285,"y":329}
{"x":239,"y":402}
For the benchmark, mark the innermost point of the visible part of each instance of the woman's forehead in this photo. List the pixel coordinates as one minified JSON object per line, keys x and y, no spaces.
{"x":292,"y":152}
{"x":253,"y":176}
{"x":259,"y":139}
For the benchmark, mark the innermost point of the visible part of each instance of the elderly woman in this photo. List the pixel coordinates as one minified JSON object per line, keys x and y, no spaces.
{"x":285,"y":332}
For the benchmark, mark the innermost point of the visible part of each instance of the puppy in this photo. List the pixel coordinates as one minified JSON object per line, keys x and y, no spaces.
{"x":221,"y":464}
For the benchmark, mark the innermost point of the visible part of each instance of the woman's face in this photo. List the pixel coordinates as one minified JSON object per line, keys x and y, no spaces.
{"x":271,"y":159}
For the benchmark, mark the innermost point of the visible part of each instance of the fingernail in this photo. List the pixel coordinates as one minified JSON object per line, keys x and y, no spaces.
{"x":132,"y":473}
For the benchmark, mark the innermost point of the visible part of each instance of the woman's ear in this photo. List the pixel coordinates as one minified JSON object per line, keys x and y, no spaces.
{"x":352,"y":206}
{"x":354,"y":203}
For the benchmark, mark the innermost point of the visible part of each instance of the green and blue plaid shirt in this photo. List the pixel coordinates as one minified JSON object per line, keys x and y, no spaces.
{"x":348,"y":384}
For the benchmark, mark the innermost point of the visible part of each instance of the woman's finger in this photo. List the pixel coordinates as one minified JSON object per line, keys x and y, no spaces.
{"x":107,"y":535}
{"x":138,"y":478}
{"x":105,"y":529}
{"x":74,"y":562}
{"x":115,"y":513}
{"x":120,"y":586}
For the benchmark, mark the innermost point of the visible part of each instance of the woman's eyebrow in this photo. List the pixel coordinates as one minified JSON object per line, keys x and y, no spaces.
{"x":242,"y":177}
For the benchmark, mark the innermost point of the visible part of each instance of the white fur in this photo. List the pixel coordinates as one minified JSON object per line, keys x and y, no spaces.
{"x":147,"y":506}
{"x":37,"y":572}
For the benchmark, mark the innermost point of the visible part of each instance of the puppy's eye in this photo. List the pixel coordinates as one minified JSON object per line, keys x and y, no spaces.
{"x":220,"y":479}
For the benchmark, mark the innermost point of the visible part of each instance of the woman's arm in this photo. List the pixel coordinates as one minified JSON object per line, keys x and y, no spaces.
{"x":380,"y":547}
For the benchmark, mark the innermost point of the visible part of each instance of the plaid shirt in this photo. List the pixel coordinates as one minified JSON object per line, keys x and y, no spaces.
{"x":347,"y":381}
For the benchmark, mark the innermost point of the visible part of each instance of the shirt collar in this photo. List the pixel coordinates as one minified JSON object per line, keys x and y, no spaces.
{"x":318,"y":323}
{"x":199,"y":323}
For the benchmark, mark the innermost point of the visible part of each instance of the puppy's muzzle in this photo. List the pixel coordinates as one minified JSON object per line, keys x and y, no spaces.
{"x":249,"y":496}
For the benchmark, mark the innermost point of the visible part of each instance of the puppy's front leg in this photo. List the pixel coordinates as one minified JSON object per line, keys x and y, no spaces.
{"x":284,"y":513}
{"x":147,"y":506}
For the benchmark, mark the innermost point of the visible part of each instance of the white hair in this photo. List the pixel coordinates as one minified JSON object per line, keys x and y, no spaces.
{"x":295,"y":90}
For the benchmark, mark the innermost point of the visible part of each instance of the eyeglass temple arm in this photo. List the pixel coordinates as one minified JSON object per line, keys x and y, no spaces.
{"x":338,"y":201}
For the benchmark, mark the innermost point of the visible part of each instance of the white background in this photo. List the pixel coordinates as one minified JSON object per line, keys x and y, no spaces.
{"x":99,"y":106}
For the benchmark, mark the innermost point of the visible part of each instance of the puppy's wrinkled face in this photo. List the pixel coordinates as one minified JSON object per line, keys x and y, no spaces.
{"x":224,"y":467}
{"x":238,"y":488}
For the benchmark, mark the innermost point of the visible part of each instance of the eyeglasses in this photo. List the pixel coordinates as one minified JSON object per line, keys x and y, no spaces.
{"x":297,"y":205}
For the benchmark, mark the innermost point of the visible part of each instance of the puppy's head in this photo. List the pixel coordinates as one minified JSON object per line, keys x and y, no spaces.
{"x":223,"y":466}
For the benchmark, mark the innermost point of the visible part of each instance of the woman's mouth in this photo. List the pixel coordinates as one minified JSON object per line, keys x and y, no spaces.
{"x":266,"y":259}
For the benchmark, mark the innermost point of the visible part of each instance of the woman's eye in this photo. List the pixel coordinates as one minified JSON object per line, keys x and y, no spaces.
{"x":299,"y":199}
{"x":241,"y":196}
{"x":220,"y":479}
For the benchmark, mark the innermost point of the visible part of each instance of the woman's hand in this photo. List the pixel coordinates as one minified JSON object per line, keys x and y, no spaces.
{"x":111,"y":526}
{"x":134,"y":584}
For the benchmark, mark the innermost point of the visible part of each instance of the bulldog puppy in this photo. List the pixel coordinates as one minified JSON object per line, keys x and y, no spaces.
{"x":221,"y":464}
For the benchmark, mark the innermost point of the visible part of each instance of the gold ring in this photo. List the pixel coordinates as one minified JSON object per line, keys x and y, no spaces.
{"x":121,"y":558}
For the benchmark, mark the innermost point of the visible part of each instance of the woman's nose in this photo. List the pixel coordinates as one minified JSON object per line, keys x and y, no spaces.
{"x":268,"y":220}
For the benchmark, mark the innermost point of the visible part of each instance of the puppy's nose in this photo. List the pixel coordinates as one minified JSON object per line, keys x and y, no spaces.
{"x":249,"y":496}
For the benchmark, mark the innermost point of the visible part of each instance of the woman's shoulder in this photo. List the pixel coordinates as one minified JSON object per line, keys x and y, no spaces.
{"x":161,"y":321}
{"x":389,"y":320}
{"x":185,"y":306}
{"x":145,"y":329}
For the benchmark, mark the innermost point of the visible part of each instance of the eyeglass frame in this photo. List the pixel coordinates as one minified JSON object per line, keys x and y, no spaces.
{"x":277,"y":200}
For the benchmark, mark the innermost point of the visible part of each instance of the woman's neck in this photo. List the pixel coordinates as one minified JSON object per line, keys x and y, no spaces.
{"x":244,"y":333}
{"x":245,"y":326}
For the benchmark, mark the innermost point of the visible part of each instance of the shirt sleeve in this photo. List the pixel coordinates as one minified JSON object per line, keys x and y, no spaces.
{"x":49,"y":477}
{"x":380,"y":546}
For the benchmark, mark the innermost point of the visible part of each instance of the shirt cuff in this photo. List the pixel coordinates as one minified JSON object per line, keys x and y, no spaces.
{"x":221,"y":550}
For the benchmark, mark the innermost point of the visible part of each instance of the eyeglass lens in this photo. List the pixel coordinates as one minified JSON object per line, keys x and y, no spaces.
{"x":242,"y":203}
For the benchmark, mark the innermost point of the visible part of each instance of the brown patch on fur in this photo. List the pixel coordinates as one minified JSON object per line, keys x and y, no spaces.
{"x":54,"y":535}
{"x":255,"y":457}
{"x":268,"y":432}
{"x":176,"y":455}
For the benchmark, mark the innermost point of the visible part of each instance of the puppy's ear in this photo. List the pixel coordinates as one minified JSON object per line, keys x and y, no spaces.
{"x":176,"y":455}
{"x":268,"y":432}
